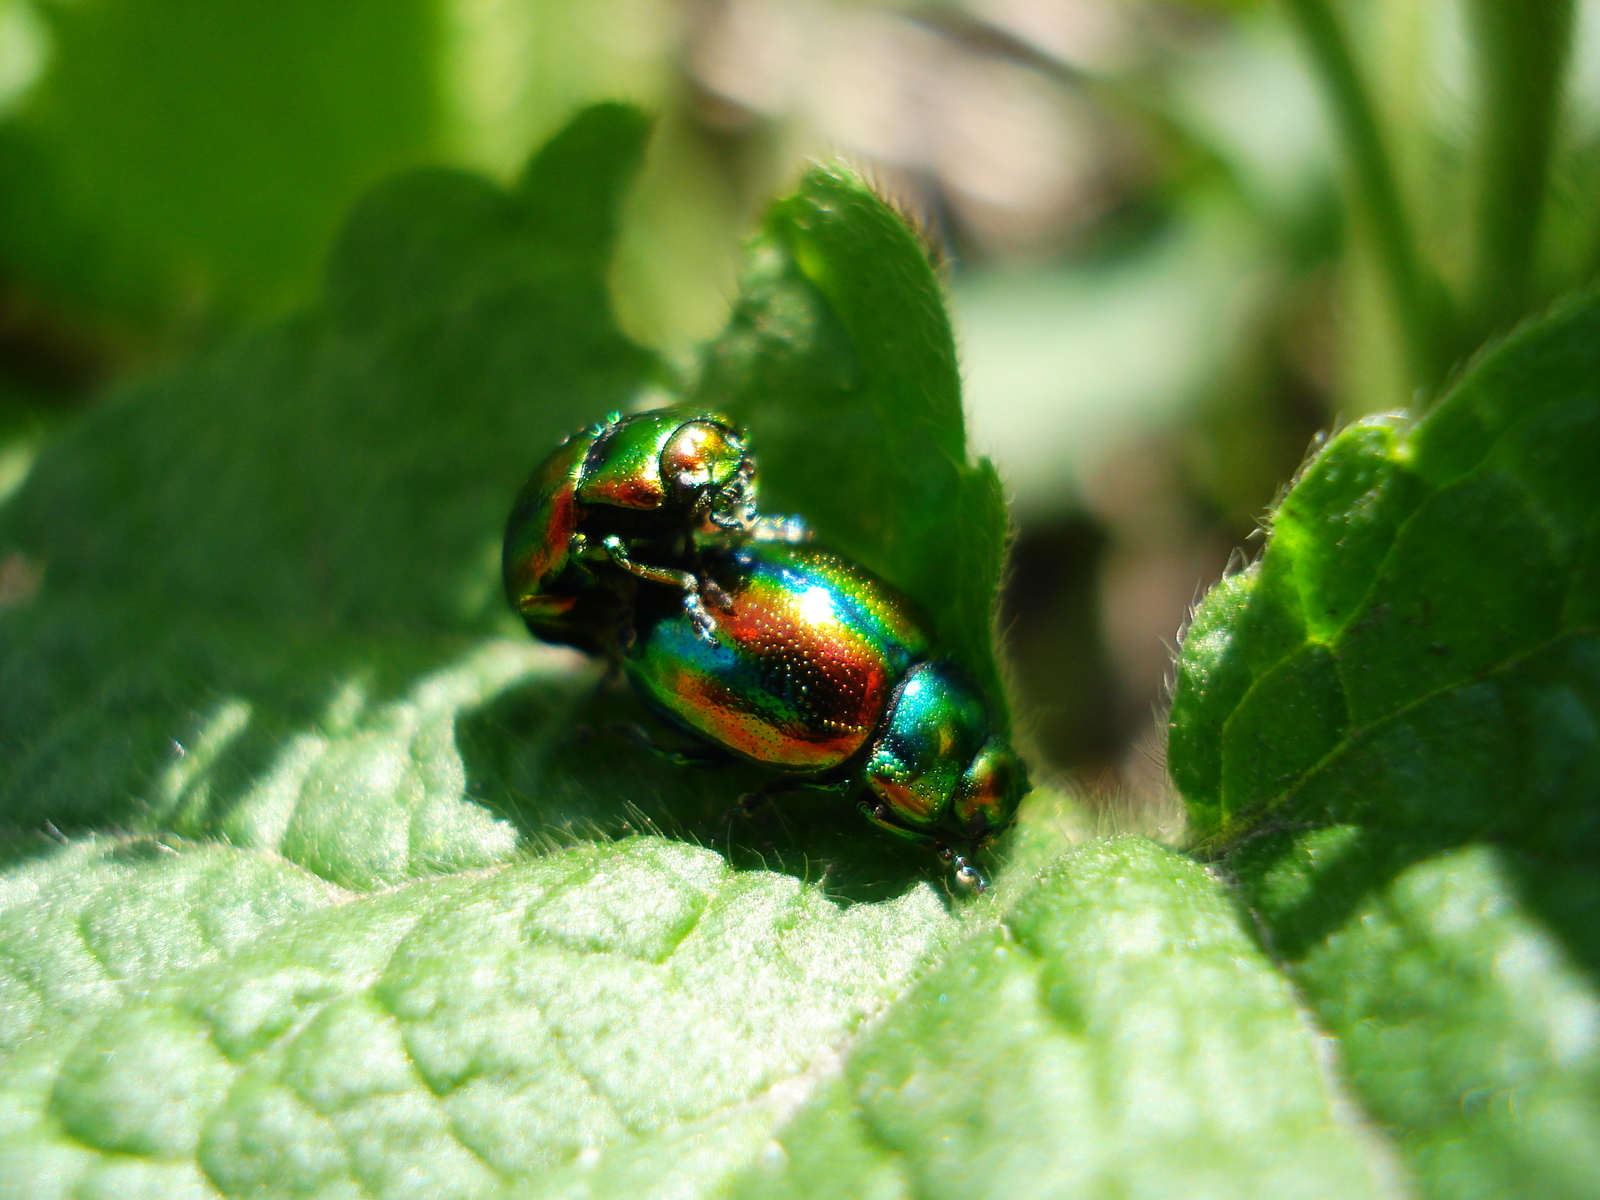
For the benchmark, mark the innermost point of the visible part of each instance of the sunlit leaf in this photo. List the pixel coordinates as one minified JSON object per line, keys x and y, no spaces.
{"x":1411,"y":672}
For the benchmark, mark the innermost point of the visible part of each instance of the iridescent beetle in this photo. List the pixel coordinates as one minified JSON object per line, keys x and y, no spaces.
{"x":811,"y":665}
{"x":816,"y":668}
{"x":630,"y":499}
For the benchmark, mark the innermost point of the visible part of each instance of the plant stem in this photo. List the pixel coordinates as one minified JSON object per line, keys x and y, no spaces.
{"x":1418,"y":298}
{"x":1521,"y":49}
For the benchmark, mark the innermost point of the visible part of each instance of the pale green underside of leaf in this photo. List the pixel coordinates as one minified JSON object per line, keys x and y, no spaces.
{"x":1117,"y":1035}
{"x":608,"y":1019}
{"x":1461,"y":986}
{"x":636,"y":1019}
{"x":1411,"y":675}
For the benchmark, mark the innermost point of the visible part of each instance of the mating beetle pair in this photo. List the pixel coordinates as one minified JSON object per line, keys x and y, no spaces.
{"x":639,"y":539}
{"x":647,"y":485}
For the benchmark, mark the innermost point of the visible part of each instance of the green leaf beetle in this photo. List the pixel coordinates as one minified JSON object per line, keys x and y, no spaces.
{"x":626,"y":500}
{"x":759,"y":647}
{"x":816,"y":668}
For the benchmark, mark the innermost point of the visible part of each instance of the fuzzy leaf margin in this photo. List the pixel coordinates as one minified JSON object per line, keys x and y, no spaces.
{"x":1389,"y":729}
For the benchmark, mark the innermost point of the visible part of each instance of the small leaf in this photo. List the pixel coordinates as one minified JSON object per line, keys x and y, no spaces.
{"x":1392,"y":724}
{"x":840,"y":360}
{"x":1417,"y":645}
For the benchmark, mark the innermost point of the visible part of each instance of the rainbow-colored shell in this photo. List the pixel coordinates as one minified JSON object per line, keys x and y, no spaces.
{"x":816,"y":667}
{"x":800,"y":668}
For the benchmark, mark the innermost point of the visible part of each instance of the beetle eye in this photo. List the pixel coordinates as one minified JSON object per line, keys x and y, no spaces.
{"x":701,"y":454}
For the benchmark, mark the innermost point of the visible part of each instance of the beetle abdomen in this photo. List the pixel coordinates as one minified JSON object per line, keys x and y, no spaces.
{"x":542,"y":522}
{"x":800,"y":667}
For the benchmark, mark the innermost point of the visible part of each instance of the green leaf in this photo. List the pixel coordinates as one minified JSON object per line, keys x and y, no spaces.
{"x":1461,"y":983}
{"x":90,"y":924}
{"x":1410,"y":675}
{"x":1416,"y":644}
{"x":268,"y":590}
{"x":266,"y":688}
{"x":272,"y":576}
{"x":840,"y":360}
{"x":632,"y":1012}
{"x":1117,"y":1034}
{"x":211,"y":149}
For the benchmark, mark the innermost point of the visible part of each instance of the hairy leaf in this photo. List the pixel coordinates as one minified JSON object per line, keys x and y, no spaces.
{"x":1116,"y":1035}
{"x":614,"y":1018}
{"x":1461,"y":982}
{"x":1410,"y":676}
{"x":317,"y":878}
{"x":272,"y":572}
{"x":1417,"y":645}
{"x":267,"y":581}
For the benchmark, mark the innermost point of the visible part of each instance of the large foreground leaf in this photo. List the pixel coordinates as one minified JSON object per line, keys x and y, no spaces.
{"x":1461,"y":982}
{"x":635,"y":1019}
{"x":258,"y":638}
{"x":1410,"y":676}
{"x":266,"y":590}
{"x":628,"y":1015}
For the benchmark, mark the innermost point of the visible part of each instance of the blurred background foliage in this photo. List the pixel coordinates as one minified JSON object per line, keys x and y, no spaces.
{"x":1160,"y":291}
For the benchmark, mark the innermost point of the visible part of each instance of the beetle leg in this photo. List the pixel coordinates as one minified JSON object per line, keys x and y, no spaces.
{"x":710,"y":590}
{"x":719,"y":599}
{"x":878,"y":813}
{"x":967,"y":875}
{"x":618,"y":553}
{"x":754,"y":801}
{"x":688,"y":756}
{"x":751,"y":803}
{"x":703,"y":623}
